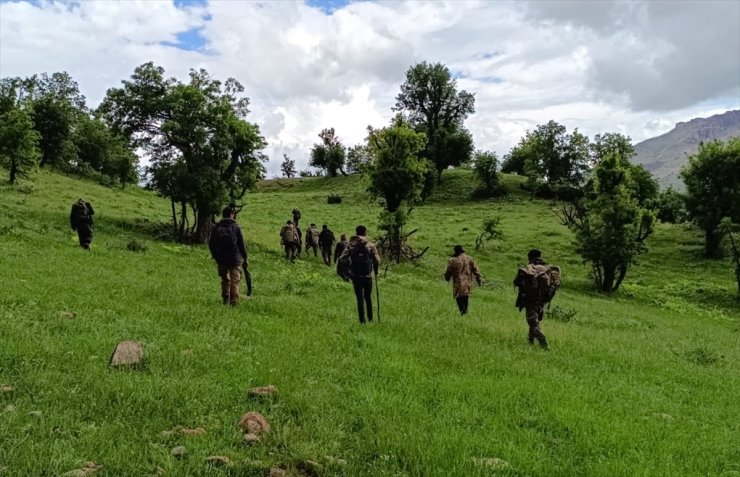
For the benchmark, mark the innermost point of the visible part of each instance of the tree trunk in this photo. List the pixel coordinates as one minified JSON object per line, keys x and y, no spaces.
{"x":712,"y":244}
{"x":203,"y":225}
{"x":13,"y":171}
{"x":174,"y":217}
{"x":607,"y":282}
{"x":620,"y":278}
{"x":183,"y":221}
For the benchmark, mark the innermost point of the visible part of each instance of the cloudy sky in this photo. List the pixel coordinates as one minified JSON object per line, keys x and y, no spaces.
{"x":636,"y":67}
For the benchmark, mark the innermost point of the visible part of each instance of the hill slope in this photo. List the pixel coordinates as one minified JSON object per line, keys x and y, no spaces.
{"x":642,"y":383}
{"x":664,"y":156}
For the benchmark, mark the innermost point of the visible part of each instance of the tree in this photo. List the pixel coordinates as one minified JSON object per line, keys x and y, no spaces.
{"x":712,"y":179}
{"x":396,"y":177}
{"x":329,"y":154}
{"x":18,"y":143}
{"x":102,"y":151}
{"x":514,"y":161}
{"x":644,"y":185}
{"x":288,"y":167}
{"x":611,"y":143}
{"x":202,"y":152}
{"x":434,"y":106}
{"x":491,"y":231}
{"x":485,"y":169}
{"x":726,"y":229}
{"x":671,"y":207}
{"x":553,"y":157}
{"x":610,"y":225}
{"x":358,"y":159}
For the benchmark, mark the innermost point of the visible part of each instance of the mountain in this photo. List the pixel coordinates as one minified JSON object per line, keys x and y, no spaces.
{"x":665,"y":155}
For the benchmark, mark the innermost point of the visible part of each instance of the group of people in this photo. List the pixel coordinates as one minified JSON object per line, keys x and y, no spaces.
{"x":357,"y":261}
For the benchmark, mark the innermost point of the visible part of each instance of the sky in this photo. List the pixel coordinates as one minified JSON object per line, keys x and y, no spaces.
{"x":635,"y":67}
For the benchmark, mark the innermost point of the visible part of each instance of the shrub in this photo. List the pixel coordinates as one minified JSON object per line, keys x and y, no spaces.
{"x":334,"y":199}
{"x":136,"y":246}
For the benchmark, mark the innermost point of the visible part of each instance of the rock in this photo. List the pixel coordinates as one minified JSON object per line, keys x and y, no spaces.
{"x":10,"y":408}
{"x":493,"y":463}
{"x":277,"y":472}
{"x":250,"y":438}
{"x":158,"y":471}
{"x":74,"y":473}
{"x":198,"y":431}
{"x":127,"y":354}
{"x":264,"y":391}
{"x":6,"y":388}
{"x":90,"y":468}
{"x":179,"y":452}
{"x":167,"y":433}
{"x":186,"y":352}
{"x":218,"y":460}
{"x":35,"y":413}
{"x":70,"y":315}
{"x":254,"y":423}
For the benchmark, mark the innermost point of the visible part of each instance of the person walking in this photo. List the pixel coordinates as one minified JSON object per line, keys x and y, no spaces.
{"x":289,"y":240}
{"x":463,"y":271}
{"x":81,"y":220}
{"x":357,"y":263}
{"x":341,"y":245}
{"x":312,"y":240}
{"x":326,"y":242}
{"x":537,"y":284}
{"x":296,"y":216}
{"x":230,"y":252}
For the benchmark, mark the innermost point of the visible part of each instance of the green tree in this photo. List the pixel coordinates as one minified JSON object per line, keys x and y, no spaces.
{"x":102,"y":151}
{"x":611,"y":143}
{"x":328,"y":155}
{"x":397,"y":175}
{"x":485,"y":169}
{"x":203,"y":154}
{"x":553,"y":157}
{"x":727,"y":229}
{"x":18,"y":143}
{"x":515,"y":160}
{"x":288,"y":167}
{"x":712,"y":179}
{"x":609,"y":223}
{"x":671,"y":206}
{"x":644,"y":185}
{"x":358,"y":159}
{"x":434,"y":106}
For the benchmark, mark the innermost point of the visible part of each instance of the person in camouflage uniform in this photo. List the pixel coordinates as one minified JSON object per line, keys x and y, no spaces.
{"x":535,"y":309}
{"x":358,"y":262}
{"x":341,"y":245}
{"x":289,"y":240}
{"x":462,"y":270}
{"x":326,"y":241}
{"x":81,"y":220}
{"x":312,"y":240}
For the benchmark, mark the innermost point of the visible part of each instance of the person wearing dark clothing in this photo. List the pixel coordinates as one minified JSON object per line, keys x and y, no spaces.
{"x":341,"y":245}
{"x":296,"y":216}
{"x":326,"y":241}
{"x":531,"y":302}
{"x":81,"y":220}
{"x":230,"y":252}
{"x":357,"y":263}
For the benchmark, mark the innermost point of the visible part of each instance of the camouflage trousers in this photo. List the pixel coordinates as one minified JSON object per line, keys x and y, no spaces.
{"x":291,"y":250}
{"x":535,"y":313}
{"x":230,"y":278}
{"x":314,"y":247}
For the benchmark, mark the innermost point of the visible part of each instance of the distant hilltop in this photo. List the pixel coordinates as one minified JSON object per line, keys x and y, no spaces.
{"x":665,"y":155}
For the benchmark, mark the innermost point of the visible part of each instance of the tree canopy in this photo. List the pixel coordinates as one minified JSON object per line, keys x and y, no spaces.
{"x":328,"y":155}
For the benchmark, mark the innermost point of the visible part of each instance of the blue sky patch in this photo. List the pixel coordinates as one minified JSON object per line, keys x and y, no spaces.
{"x":190,"y":3}
{"x":327,"y":6}
{"x":191,"y":40}
{"x":491,"y":79}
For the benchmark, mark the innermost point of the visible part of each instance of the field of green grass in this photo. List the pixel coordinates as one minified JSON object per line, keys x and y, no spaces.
{"x":643,"y":383}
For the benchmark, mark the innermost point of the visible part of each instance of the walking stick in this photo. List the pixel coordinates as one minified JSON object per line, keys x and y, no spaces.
{"x":377,"y":294}
{"x":247,"y":278}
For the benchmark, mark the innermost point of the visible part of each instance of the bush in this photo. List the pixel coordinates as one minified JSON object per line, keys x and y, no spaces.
{"x":136,"y":246}
{"x":334,"y":199}
{"x":671,"y":207}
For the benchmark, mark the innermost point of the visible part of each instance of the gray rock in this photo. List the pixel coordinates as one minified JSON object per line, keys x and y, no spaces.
{"x":179,"y":452}
{"x":127,"y":354}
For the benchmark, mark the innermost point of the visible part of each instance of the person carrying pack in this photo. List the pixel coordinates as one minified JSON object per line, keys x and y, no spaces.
{"x":81,"y":220}
{"x":312,"y":240}
{"x":537,"y":283}
{"x":289,"y":239}
{"x":463,"y":271}
{"x":326,"y":241}
{"x":296,"y":216}
{"x":358,"y":262}
{"x":229,"y":251}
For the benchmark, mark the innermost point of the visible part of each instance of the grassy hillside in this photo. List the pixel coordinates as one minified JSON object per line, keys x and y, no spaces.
{"x":642,"y":383}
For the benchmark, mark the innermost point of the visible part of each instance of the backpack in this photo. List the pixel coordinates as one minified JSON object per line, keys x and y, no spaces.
{"x":289,"y":235}
{"x":81,"y":213}
{"x":539,"y":283}
{"x":224,"y":241}
{"x":361,"y":261}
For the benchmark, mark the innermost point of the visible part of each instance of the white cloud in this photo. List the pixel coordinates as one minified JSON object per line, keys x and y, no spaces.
{"x":635,"y":67}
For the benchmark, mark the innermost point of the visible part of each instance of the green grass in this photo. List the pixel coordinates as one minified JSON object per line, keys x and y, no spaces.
{"x":642,"y":383}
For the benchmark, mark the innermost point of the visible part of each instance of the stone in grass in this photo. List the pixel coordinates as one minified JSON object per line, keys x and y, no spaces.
{"x":493,"y":463}
{"x":10,"y":408}
{"x":6,"y":388}
{"x":277,"y":472}
{"x":35,"y":413}
{"x":127,"y":354}
{"x":218,"y":461}
{"x":250,"y":438}
{"x":179,"y":452}
{"x":90,"y":468}
{"x":263,"y":392}
{"x":70,"y":315}
{"x":254,"y":423}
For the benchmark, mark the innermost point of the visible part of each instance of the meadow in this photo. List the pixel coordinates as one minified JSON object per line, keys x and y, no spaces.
{"x":641,"y":383}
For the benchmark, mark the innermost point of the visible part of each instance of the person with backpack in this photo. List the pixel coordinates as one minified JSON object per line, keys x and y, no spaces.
{"x":289,"y":239}
{"x":296,"y":216}
{"x":358,"y":262}
{"x":341,"y":245}
{"x":326,"y":241}
{"x":81,"y":220}
{"x":228,"y":249}
{"x":537,"y":284}
{"x":312,"y":240}
{"x":461,"y":268}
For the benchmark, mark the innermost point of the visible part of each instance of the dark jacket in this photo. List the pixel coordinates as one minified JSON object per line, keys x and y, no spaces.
{"x":341,"y":245}
{"x":81,"y":215}
{"x":519,"y":281}
{"x":326,"y":239}
{"x":227,"y":244}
